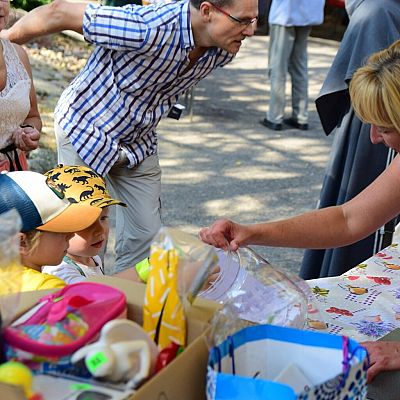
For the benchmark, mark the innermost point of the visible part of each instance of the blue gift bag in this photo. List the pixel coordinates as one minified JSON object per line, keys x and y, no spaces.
{"x":271,"y":363}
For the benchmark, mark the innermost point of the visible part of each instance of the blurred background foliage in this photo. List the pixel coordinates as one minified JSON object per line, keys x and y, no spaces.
{"x":28,"y":4}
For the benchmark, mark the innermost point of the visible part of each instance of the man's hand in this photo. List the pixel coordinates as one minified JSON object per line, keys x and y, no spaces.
{"x":26,"y":138}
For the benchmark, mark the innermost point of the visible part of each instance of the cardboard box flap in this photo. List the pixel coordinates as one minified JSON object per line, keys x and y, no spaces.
{"x":183,"y":379}
{"x":11,"y":392}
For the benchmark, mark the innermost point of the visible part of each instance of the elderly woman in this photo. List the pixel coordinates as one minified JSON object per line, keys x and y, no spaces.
{"x":20,"y":122}
{"x":375,"y":96}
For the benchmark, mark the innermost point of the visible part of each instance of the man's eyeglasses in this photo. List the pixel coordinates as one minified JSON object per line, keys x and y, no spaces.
{"x":242,"y":22}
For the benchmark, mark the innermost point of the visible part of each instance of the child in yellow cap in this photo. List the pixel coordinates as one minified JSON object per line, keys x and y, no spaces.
{"x":48,"y":223}
{"x":82,"y":185}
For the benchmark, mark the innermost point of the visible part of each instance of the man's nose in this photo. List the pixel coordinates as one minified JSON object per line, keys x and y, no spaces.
{"x":250,"y":29}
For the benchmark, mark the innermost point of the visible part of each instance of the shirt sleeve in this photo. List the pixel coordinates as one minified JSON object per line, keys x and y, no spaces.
{"x":67,"y":272}
{"x":50,"y":282}
{"x":116,"y":28}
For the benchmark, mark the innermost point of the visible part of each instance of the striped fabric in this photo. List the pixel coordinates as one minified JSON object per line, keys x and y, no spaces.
{"x":133,"y":77}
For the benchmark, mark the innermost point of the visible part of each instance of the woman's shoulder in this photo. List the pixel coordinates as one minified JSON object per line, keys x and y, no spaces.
{"x":17,"y":60}
{"x":22,"y":54}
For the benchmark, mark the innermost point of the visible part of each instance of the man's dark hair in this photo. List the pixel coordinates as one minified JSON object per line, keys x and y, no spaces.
{"x":218,"y":3}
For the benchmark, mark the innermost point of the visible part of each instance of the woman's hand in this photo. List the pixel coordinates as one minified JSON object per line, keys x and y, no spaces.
{"x":224,"y":234}
{"x":26,"y":138}
{"x":383,"y":356}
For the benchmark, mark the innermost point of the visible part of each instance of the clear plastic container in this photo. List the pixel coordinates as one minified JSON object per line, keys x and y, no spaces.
{"x":196,"y":259}
{"x":254,"y":292}
{"x":249,"y":288}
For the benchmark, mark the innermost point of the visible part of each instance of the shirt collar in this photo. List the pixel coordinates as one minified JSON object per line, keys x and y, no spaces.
{"x":187,"y":33}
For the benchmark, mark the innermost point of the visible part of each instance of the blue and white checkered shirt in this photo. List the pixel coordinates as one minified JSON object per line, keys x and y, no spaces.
{"x":133,"y":77}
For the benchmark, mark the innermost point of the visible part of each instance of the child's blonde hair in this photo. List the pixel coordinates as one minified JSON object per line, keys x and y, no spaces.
{"x":32,"y":239}
{"x":375,"y":89}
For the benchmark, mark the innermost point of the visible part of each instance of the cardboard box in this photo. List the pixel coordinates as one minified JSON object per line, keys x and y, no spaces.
{"x":185,"y":377}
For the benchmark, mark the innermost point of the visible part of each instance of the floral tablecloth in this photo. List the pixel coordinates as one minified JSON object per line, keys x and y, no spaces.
{"x":363,"y":303}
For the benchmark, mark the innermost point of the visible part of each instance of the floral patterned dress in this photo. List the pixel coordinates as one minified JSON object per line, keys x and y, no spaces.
{"x":14,"y":107}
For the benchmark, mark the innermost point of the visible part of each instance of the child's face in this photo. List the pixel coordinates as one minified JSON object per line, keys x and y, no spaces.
{"x":50,"y":250}
{"x":88,"y":242}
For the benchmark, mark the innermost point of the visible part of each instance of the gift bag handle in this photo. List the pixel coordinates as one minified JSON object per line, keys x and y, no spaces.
{"x":347,"y":359}
{"x":216,"y":357}
{"x":231,"y":351}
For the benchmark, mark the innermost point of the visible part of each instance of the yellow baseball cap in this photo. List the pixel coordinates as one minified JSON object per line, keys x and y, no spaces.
{"x":81,"y":184}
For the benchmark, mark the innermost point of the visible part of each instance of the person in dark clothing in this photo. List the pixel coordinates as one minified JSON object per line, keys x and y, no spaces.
{"x":354,"y":162}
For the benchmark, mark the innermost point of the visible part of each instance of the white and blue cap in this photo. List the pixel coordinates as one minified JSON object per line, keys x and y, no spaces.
{"x":42,"y":205}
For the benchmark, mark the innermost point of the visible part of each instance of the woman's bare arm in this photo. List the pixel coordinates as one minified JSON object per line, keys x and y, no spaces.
{"x":55,"y":17}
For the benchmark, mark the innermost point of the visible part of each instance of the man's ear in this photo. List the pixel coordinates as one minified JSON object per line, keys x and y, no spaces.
{"x":23,"y":244}
{"x":205,"y":11}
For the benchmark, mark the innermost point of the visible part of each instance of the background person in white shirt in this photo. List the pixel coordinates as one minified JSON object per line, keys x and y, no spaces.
{"x":290,"y":23}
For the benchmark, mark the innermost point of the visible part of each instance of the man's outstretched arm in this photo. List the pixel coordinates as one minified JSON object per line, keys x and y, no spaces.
{"x":55,"y":17}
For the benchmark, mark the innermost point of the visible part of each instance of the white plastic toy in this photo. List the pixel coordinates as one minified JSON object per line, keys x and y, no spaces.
{"x":123,"y":353}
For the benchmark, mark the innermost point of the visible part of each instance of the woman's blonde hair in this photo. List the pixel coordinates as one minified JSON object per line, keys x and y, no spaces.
{"x":375,"y":89}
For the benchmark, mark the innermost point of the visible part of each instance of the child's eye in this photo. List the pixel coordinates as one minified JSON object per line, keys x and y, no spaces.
{"x":104,"y":218}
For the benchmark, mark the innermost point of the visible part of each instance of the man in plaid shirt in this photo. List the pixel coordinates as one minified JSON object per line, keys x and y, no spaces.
{"x":144,"y":59}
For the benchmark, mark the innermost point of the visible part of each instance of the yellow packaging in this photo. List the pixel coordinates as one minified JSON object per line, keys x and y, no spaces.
{"x":163,"y":314}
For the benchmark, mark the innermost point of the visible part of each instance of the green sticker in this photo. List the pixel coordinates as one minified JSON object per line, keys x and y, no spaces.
{"x":80,"y":386}
{"x":143,"y":269}
{"x":57,"y":299}
{"x":95,"y":361}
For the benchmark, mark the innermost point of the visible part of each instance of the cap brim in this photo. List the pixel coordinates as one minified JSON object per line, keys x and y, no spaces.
{"x":74,"y":218}
{"x":110,"y":202}
{"x":104,"y":202}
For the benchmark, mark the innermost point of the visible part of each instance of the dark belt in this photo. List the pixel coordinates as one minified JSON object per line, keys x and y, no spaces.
{"x":7,"y":151}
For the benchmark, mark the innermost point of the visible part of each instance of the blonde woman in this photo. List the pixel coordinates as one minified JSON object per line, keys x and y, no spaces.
{"x":20,"y":122}
{"x":375,"y":95}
